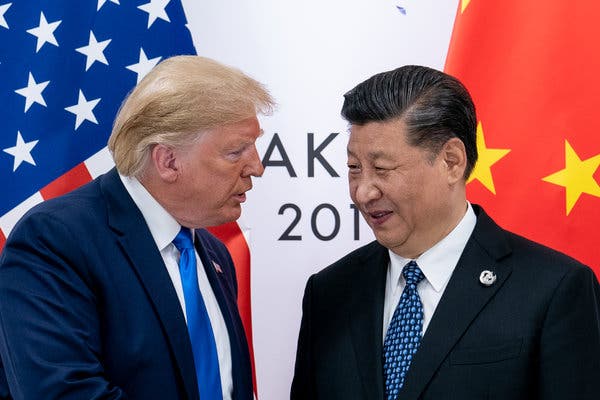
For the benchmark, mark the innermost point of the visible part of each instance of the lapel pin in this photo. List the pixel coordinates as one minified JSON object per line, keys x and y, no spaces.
{"x":487,"y":278}
{"x":217,"y":267}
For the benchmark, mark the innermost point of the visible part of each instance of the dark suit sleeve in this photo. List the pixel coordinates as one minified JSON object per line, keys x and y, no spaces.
{"x":570,"y":340}
{"x":49,"y":327}
{"x":303,"y":384}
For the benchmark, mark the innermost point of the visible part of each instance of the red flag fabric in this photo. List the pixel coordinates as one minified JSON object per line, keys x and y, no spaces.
{"x":234,"y":240}
{"x":532,"y":68}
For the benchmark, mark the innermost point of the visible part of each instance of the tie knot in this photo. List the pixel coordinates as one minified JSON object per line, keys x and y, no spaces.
{"x":183,"y":240}
{"x":412,"y":273}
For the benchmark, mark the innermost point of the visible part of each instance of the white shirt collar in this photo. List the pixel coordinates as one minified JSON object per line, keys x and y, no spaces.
{"x":162,"y":225}
{"x":439,"y":262}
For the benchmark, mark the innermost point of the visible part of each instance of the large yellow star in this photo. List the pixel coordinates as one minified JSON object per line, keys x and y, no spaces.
{"x":577,"y":177}
{"x":487,"y":157}
{"x":464,"y":4}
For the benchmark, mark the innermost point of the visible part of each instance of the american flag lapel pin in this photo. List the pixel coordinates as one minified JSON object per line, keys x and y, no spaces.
{"x":217,"y":267}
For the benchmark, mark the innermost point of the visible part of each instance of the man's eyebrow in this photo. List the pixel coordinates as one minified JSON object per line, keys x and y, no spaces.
{"x":374,"y":155}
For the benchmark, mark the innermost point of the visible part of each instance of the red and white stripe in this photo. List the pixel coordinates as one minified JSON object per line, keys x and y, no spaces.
{"x":82,"y":173}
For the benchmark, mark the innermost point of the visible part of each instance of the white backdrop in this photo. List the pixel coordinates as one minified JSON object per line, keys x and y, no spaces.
{"x":308,"y":53}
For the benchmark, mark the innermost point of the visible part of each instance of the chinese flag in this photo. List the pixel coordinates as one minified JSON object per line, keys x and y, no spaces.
{"x":533,"y":69}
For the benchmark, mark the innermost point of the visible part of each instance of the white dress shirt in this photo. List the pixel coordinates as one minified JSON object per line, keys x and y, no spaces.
{"x":164,"y":228}
{"x":437,"y":265}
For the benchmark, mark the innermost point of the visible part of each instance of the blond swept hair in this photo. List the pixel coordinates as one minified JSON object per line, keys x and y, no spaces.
{"x":176,"y":101}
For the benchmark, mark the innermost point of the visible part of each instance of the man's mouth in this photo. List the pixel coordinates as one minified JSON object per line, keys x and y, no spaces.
{"x":379,"y":217}
{"x":241,"y":197}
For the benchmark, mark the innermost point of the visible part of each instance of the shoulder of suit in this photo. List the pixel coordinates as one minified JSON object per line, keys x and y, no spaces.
{"x":529,"y":259}
{"x":77,"y":206}
{"x":520,"y":251}
{"x":356,"y":260}
{"x":540,"y":256}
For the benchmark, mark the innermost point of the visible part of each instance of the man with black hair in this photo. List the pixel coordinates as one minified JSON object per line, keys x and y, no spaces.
{"x":445,"y":304}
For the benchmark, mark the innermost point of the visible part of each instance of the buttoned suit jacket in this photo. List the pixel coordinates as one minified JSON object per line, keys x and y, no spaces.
{"x":88,"y":310}
{"x":533,"y":334}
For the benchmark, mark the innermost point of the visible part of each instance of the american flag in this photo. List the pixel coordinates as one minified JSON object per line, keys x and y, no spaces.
{"x":65,"y":67}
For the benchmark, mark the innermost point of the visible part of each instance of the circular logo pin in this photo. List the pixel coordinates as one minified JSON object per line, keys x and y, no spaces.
{"x":487,"y":278}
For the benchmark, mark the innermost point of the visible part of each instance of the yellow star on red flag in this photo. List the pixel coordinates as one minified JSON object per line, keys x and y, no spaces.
{"x":529,"y":105}
{"x":464,"y":5}
{"x":487,"y":157}
{"x":577,"y":177}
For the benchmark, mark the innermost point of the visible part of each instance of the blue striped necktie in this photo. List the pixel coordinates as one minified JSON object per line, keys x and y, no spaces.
{"x":404,"y":333}
{"x":198,"y":322}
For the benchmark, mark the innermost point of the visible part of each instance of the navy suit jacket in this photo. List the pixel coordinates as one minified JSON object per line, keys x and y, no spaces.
{"x":533,"y":334}
{"x":88,"y":310}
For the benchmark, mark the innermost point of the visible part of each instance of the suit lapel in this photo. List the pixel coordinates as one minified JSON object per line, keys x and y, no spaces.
{"x":366,"y":318}
{"x":462,"y":301}
{"x":226,"y":298}
{"x":138,"y":245}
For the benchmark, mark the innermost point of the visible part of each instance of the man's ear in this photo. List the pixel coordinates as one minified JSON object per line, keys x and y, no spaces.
{"x":454,"y":157}
{"x":165,"y":162}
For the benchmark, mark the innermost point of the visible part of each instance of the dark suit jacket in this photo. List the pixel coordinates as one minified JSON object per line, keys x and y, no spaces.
{"x":533,"y":334}
{"x":87,"y":308}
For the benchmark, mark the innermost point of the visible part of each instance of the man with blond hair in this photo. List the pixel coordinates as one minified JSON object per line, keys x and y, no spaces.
{"x":116,"y":290}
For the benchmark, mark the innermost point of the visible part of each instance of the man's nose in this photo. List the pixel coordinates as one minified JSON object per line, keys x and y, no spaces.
{"x":254,"y":166}
{"x":366,"y":191}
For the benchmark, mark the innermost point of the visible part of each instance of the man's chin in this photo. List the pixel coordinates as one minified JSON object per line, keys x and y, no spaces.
{"x":388,"y":242}
{"x":231,"y":215}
